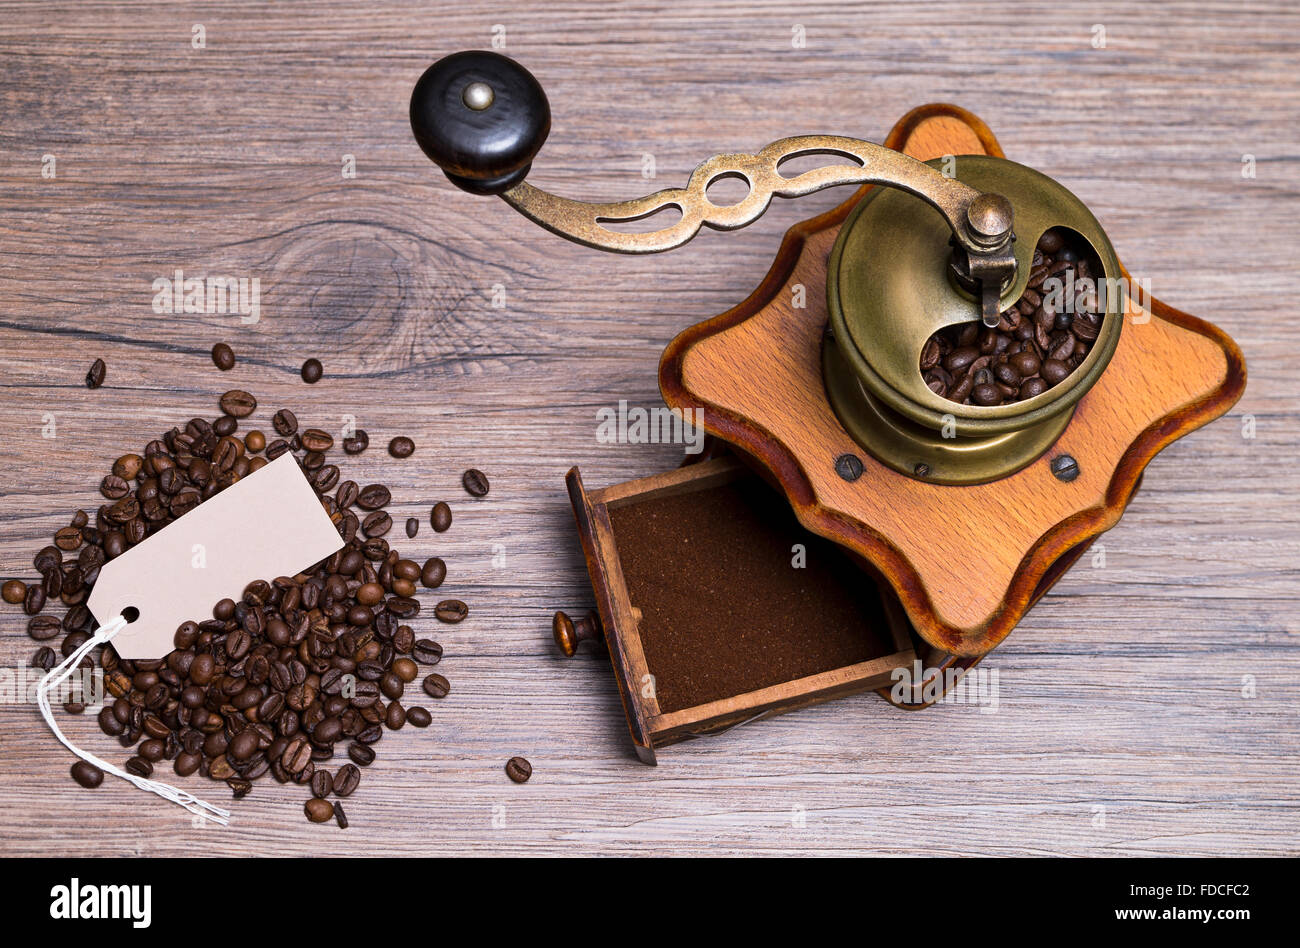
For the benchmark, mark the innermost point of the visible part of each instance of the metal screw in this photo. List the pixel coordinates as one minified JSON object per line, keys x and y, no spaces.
{"x":478,"y":96}
{"x":922,"y":469}
{"x":1065,"y":467}
{"x":849,"y":467}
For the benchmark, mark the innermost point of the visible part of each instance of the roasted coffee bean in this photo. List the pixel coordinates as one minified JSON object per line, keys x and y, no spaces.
{"x":340,"y":817}
{"x":373,"y":496}
{"x":318,"y":810}
{"x":440,"y":517}
{"x":322,"y":783}
{"x":432,"y":573}
{"x":401,"y":447}
{"x":223,"y":357}
{"x":405,"y":669}
{"x":346,"y":780}
{"x":255,"y":441}
{"x":284,"y":422}
{"x":44,"y":658}
{"x":419,"y":717}
{"x":357,"y":443}
{"x":518,"y":769}
{"x":238,"y":404}
{"x":34,"y":602}
{"x":377,"y":524}
{"x":395,"y":716}
{"x":139,"y":767}
{"x":436,"y":686}
{"x":475,"y":482}
{"x":427,"y":652}
{"x":311,"y":371}
{"x":362,"y":754}
{"x":405,"y":608}
{"x":412,"y":527}
{"x":86,"y":773}
{"x":95,"y":377}
{"x":68,"y":538}
{"x":14,"y":591}
{"x":449,"y":610}
{"x":313,"y":439}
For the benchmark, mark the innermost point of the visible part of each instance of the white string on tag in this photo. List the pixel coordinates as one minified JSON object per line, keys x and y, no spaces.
{"x":59,"y":675}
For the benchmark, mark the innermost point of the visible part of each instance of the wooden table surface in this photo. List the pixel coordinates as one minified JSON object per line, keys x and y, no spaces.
{"x":1147,"y":706}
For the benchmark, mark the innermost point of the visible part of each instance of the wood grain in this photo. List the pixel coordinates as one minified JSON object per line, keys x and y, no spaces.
{"x":1147,"y":703}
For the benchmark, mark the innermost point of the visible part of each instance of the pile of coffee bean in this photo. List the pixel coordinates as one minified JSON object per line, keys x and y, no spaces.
{"x":1033,"y":347}
{"x":276,"y":682}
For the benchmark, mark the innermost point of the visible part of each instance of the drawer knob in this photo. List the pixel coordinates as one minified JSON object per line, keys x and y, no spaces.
{"x":570,"y":634}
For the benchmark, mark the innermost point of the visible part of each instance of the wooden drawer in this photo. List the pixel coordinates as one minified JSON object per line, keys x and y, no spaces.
{"x":718,"y":608}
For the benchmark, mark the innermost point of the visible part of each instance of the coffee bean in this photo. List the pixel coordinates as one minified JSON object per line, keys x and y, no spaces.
{"x":361,"y":754}
{"x":395,"y":717}
{"x":518,"y":769}
{"x":318,"y":810}
{"x":433,"y":573}
{"x":14,"y":591}
{"x":373,"y":496}
{"x":440,"y":517}
{"x":412,"y":527}
{"x":95,"y":377}
{"x":284,"y":422}
{"x":475,"y":482}
{"x":238,"y":404}
{"x":451,"y":610}
{"x":436,"y":686}
{"x":311,"y":371}
{"x":313,"y":439}
{"x":405,"y":669}
{"x":346,"y":780}
{"x":139,"y":767}
{"x":357,"y":443}
{"x":44,"y":658}
{"x":223,"y":357}
{"x":35,"y":599}
{"x":86,"y":773}
{"x":340,"y":817}
{"x":419,"y":717}
{"x":401,"y":447}
{"x":322,"y":783}
{"x":377,"y":524}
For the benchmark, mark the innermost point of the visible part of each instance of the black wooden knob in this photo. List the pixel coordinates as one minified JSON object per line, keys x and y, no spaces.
{"x":481,"y":117}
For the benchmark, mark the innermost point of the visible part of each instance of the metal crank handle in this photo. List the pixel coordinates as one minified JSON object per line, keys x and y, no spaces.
{"x":482,"y":118}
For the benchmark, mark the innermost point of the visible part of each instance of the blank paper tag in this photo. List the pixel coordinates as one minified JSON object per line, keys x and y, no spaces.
{"x":268,"y":524}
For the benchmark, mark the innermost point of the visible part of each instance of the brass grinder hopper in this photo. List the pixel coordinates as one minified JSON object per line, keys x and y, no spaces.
{"x":968,"y":511}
